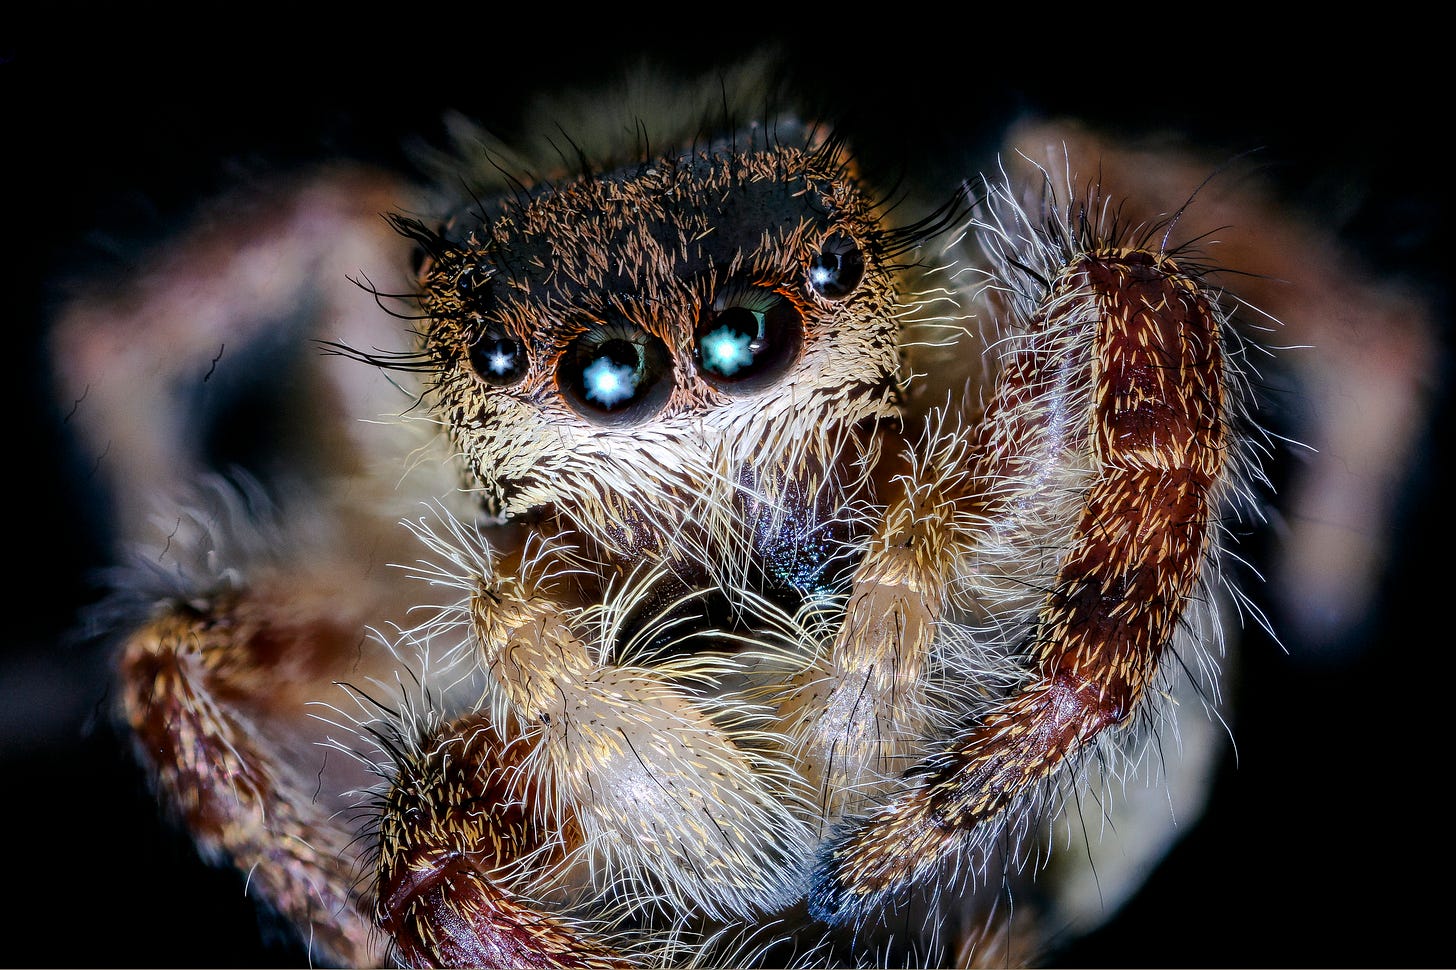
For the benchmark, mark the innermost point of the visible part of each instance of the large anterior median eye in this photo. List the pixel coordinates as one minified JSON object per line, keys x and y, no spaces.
{"x":748,"y":337}
{"x":616,"y":373}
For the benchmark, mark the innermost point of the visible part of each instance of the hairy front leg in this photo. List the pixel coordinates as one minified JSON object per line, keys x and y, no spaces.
{"x":1129,"y":344}
{"x":467,"y":835}
{"x":666,"y":786}
{"x":860,"y":711}
{"x":212,"y":689}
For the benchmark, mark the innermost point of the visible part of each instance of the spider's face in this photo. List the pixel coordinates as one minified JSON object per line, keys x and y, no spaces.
{"x":649,"y":338}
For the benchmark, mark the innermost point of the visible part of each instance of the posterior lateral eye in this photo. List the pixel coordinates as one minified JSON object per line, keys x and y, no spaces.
{"x":615,"y":373}
{"x":835,"y":271}
{"x":748,"y":337}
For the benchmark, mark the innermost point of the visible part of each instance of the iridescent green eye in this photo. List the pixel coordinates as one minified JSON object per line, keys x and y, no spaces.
{"x":837,"y":268}
{"x":616,"y":374}
{"x":747,"y":338}
{"x":497,"y":358}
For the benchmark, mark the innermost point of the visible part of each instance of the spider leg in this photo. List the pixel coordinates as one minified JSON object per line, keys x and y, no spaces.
{"x":1128,"y":345}
{"x":255,"y":514}
{"x":203,"y":691}
{"x":1362,"y":359}
{"x":862,"y":706}
{"x":463,"y":829}
{"x":674,"y":795}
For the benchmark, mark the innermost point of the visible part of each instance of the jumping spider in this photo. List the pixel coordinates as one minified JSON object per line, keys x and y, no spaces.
{"x":775,"y":577}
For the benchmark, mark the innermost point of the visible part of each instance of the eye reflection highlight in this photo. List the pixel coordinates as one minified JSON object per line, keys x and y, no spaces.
{"x":726,"y":351}
{"x":608,"y":383}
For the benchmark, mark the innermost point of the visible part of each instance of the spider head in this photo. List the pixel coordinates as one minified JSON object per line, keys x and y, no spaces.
{"x":656,"y":337}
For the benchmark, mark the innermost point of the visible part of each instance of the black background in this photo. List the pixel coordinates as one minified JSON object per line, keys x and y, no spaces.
{"x":1325,"y":845}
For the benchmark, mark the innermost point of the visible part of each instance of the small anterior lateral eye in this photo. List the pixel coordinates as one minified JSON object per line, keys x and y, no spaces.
{"x":616,"y":373}
{"x":837,"y":268}
{"x":748,"y":337}
{"x":498,"y":359}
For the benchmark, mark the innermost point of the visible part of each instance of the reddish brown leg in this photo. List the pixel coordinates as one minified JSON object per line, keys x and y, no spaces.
{"x":1152,"y":365}
{"x":207,"y":693}
{"x":465,"y":827}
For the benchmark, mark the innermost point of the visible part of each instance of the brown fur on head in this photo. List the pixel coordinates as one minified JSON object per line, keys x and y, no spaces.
{"x":639,"y":266}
